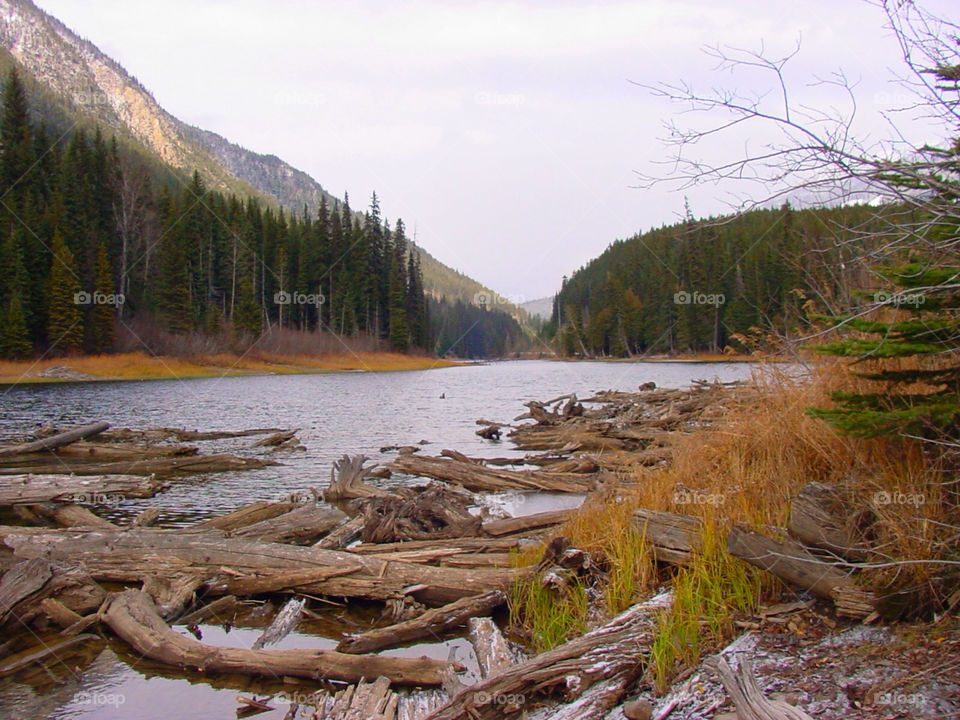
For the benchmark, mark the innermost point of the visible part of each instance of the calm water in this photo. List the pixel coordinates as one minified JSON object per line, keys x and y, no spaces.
{"x":336,"y":414}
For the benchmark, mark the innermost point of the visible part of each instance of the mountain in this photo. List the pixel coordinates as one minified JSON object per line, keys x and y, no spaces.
{"x":541,"y":307}
{"x":73,"y":83}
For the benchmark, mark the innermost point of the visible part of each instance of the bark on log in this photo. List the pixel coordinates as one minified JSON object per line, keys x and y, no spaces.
{"x":303,"y":525}
{"x":124,"y":557}
{"x":30,"y":489}
{"x":490,"y":646}
{"x":673,"y":537}
{"x":820,"y":517}
{"x":788,"y":560}
{"x":749,"y":700}
{"x":132,"y":616}
{"x":610,"y":656}
{"x":432,"y":623}
{"x":55,"y":441}
{"x":524,"y":523}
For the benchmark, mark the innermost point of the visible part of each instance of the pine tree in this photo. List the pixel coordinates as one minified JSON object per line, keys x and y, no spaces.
{"x":397,"y":300}
{"x":99,"y":323}
{"x":64,"y":321}
{"x":14,"y":336}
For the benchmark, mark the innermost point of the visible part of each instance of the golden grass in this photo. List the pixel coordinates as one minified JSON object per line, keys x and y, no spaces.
{"x":745,"y":470}
{"x":140,"y":366}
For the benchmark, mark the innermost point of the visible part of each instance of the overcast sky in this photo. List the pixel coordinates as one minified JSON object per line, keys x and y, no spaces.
{"x":507,"y":134}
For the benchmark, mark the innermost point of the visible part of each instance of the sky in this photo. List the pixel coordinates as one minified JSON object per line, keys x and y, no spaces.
{"x":510,"y":136}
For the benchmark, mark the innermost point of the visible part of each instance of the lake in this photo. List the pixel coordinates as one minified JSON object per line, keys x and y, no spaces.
{"x":336,"y":414}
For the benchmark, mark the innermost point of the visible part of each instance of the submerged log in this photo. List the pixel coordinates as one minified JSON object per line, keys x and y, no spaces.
{"x":31,"y":489}
{"x":820,"y":517}
{"x":302,"y":525}
{"x":591,"y":672}
{"x":673,"y":537}
{"x":55,"y":441}
{"x":133,"y":617}
{"x":432,"y":623}
{"x":346,"y":481}
{"x":276,"y":439}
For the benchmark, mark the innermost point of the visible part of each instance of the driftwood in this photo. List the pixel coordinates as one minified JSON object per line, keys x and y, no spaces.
{"x":276,"y":439}
{"x":459,"y":545}
{"x":147,"y":466}
{"x":172,"y":592}
{"x":747,"y":697}
{"x":26,"y":585}
{"x":478,"y":478}
{"x":490,"y":647}
{"x":524,"y":523}
{"x":132,"y":616}
{"x":160,"y":434}
{"x":126,"y":556}
{"x":73,"y":516}
{"x":219,"y":608}
{"x":246,"y":515}
{"x":673,"y":538}
{"x":820,"y":517}
{"x":55,"y":441}
{"x":591,"y":672}
{"x":432,"y":623}
{"x":31,"y":489}
{"x":435,"y":512}
{"x":33,"y":656}
{"x":283,"y":624}
{"x":346,"y":481}
{"x":343,"y":534}
{"x":303,"y":525}
{"x":363,"y":701}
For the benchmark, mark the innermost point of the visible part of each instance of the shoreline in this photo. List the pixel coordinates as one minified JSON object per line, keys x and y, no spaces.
{"x":138,"y":366}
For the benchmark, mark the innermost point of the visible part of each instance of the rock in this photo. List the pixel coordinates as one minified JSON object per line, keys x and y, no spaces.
{"x":638,"y":710}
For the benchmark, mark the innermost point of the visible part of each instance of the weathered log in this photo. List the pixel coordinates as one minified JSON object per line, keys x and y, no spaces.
{"x":282,"y":625}
{"x":673,"y":537}
{"x":222,"y":607}
{"x":748,"y":698}
{"x":160,"y":434}
{"x":274,"y":581}
{"x":60,"y":614}
{"x":55,"y":441}
{"x":302,"y":525}
{"x":363,"y":701}
{"x":432,"y":623}
{"x":171,"y":593}
{"x":24,"y":587}
{"x":346,"y":481}
{"x":275,"y":439}
{"x":30,"y":489}
{"x":476,"y":560}
{"x":342,"y":535}
{"x":146,"y":518}
{"x":124,"y":557}
{"x":148,"y":466}
{"x":490,"y":646}
{"x":478,"y":478}
{"x":788,"y":560}
{"x":524,"y":523}
{"x":820,"y":517}
{"x":104,"y":452}
{"x":73,"y":516}
{"x":20,"y":582}
{"x":246,"y":515}
{"x":435,"y":512}
{"x":608,"y":658}
{"x":133,"y":617}
{"x":462,"y":545}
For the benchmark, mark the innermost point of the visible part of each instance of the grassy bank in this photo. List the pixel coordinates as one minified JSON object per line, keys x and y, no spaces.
{"x":139,"y":366}
{"x":743,"y":470}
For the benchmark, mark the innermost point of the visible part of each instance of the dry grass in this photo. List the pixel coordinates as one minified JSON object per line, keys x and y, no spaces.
{"x":139,"y":366}
{"x":745,"y":470}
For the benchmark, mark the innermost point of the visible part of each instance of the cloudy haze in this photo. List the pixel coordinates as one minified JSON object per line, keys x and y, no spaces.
{"x":507,"y":134}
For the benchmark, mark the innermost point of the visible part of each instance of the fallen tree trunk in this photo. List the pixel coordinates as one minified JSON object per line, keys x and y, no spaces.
{"x":820,"y":517}
{"x":73,"y":516}
{"x":246,"y":515}
{"x":490,"y":646}
{"x":342,"y":535}
{"x":748,"y":698}
{"x":432,"y":623}
{"x":26,"y":585}
{"x":32,"y":489}
{"x":55,"y":441}
{"x":302,"y":525}
{"x":479,"y":478}
{"x":523,"y":523}
{"x":132,"y":616}
{"x":148,"y":466}
{"x":127,"y":556}
{"x":463,"y":545}
{"x":591,"y":672}
{"x":673,"y":537}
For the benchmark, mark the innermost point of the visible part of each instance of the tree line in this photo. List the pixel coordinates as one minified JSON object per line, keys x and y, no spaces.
{"x":91,"y":236}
